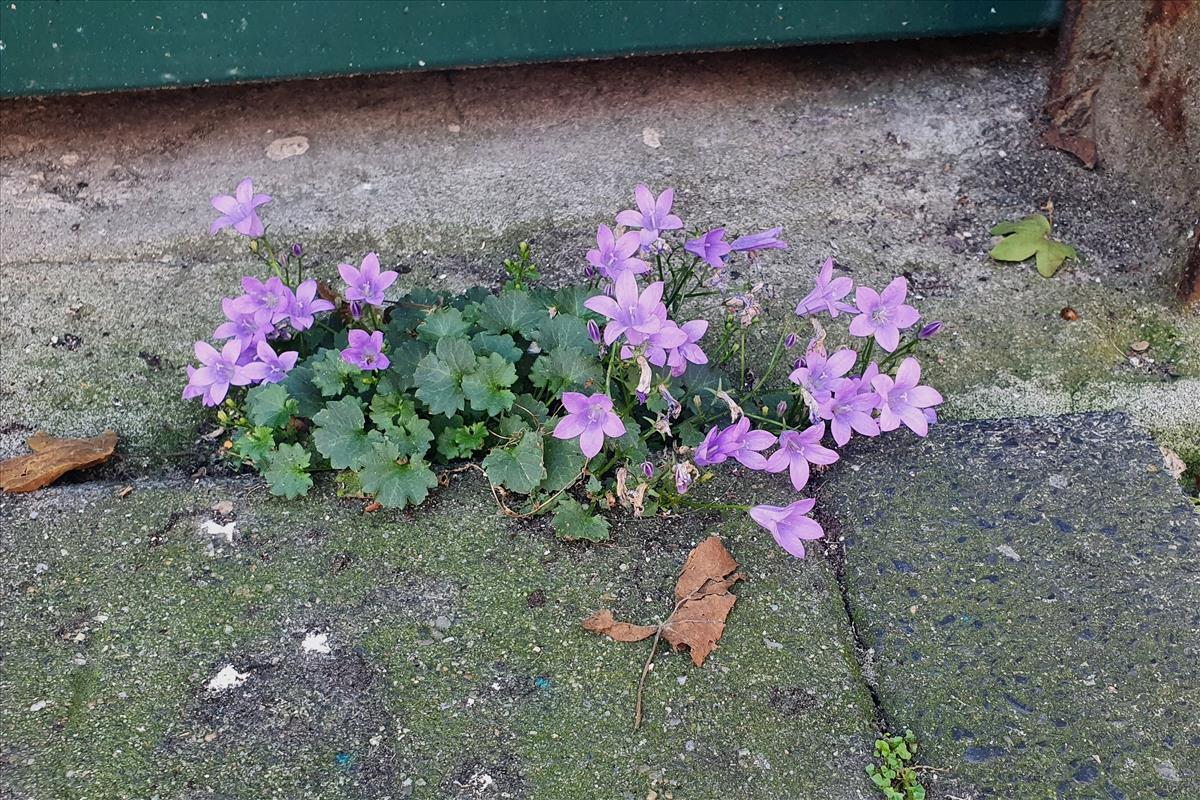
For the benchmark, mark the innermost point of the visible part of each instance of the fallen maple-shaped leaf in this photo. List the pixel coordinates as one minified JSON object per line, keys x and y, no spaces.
{"x":53,"y":457}
{"x":1031,"y":237}
{"x":695,"y":624}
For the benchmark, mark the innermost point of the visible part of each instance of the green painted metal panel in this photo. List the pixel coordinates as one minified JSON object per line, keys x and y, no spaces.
{"x":55,"y":46}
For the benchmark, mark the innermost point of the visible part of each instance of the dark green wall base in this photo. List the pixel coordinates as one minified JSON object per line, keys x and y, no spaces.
{"x":52,"y":47}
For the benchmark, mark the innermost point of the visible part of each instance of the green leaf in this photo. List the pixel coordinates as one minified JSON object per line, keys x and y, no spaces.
{"x":287,"y":471}
{"x":439,"y":375}
{"x":403,"y":359}
{"x":255,"y":445}
{"x":1028,"y":238}
{"x":511,"y":311}
{"x":564,"y":330}
{"x":564,"y":463}
{"x":441,"y":323}
{"x":461,"y":441}
{"x":500,"y":343}
{"x":573,"y":522}
{"x":300,"y":386}
{"x":340,"y":433}
{"x":565,"y":369}
{"x":487,"y":387}
{"x":393,"y":484}
{"x":518,"y":467}
{"x":330,"y":372}
{"x":269,"y":405}
{"x":569,"y":300}
{"x":531,"y":409}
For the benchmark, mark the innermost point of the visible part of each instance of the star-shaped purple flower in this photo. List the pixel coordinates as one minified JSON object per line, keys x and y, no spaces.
{"x":904,"y":400}
{"x":637,"y":315}
{"x":850,"y":406}
{"x":819,"y":372}
{"x":653,"y":215}
{"x":306,"y":305}
{"x":883,"y":314}
{"x":248,"y":326}
{"x":612,"y":256}
{"x":689,"y":352}
{"x":590,"y":419}
{"x":789,"y":525}
{"x":736,"y":441}
{"x":763,"y":240}
{"x":238,"y":211}
{"x":273,"y":296}
{"x":827,"y":295}
{"x":798,"y":450}
{"x":365,"y":350}
{"x":219,"y":371}
{"x":271,"y":367}
{"x":710,"y":247}
{"x":366,"y":285}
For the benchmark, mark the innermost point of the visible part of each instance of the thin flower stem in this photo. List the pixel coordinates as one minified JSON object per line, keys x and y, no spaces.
{"x":773,"y":363}
{"x":742,"y":347}
{"x":865,"y":356}
{"x":612,"y":354}
{"x":767,"y":420}
{"x":713,"y":506}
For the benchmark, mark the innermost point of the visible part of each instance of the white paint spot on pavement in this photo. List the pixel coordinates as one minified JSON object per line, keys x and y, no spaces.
{"x":227,"y":678}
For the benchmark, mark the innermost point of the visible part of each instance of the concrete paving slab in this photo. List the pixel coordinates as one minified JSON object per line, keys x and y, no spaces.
{"x":457,"y":666}
{"x":1028,"y":591}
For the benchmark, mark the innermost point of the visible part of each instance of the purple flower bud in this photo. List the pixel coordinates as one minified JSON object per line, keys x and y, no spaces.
{"x":931,"y":330}
{"x":647,"y":469}
{"x":781,"y":409}
{"x":355,"y":309}
{"x":297,"y":250}
{"x":641,"y":398}
{"x":608,"y":290}
{"x":790,"y":341}
{"x":593,"y":331}
{"x":683,"y":477}
{"x":589,"y":271}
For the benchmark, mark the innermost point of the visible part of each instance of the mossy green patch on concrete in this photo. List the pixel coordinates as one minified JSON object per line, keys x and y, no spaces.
{"x":458,"y":660}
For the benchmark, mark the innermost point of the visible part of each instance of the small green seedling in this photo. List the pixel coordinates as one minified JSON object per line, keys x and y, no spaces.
{"x":894,"y":774}
{"x":521,"y":270}
{"x":1031,"y":237}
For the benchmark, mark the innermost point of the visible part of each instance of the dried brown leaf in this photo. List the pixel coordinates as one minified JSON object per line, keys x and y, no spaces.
{"x":51,"y":458}
{"x":602,"y":622}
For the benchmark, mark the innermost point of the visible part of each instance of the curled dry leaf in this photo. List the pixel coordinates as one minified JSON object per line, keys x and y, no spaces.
{"x":53,"y":457}
{"x":702,"y":603}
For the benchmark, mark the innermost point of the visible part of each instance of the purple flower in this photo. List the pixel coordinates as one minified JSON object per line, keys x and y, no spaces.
{"x":789,"y":341}
{"x":297,"y":250}
{"x":798,"y":450}
{"x":366,"y":285}
{"x":366,"y":350}
{"x":763,"y":240}
{"x":306,"y":305}
{"x":850,"y":407}
{"x":653,"y":215}
{"x":660,"y":344}
{"x":248,"y":327}
{"x":931,"y":330}
{"x":272,"y":296}
{"x":239,"y":212}
{"x":710,"y":247}
{"x":630,"y":313}
{"x":883,"y":315}
{"x":819,"y":372}
{"x":828,"y":294}
{"x":270,"y":367}
{"x":689,"y":352}
{"x":744,"y":444}
{"x":685,"y":473}
{"x":736,"y":441}
{"x":590,"y":418}
{"x":647,"y":469}
{"x":789,"y":525}
{"x":903,"y":399}
{"x":218,"y":372}
{"x":593,"y":331}
{"x":613,"y":256}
